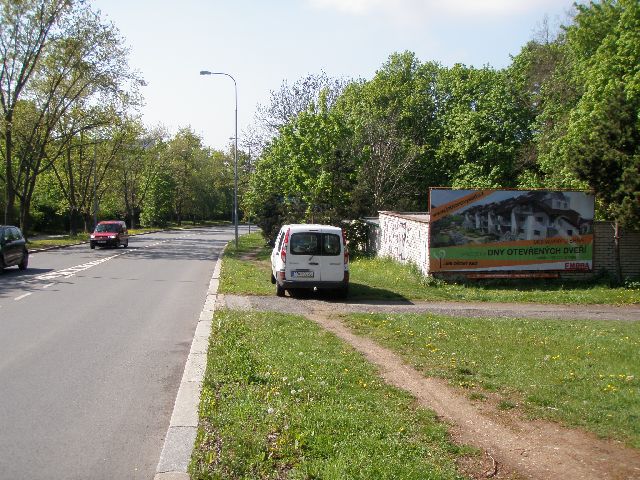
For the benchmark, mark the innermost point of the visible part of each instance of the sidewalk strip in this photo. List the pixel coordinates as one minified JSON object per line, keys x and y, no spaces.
{"x":183,"y":427}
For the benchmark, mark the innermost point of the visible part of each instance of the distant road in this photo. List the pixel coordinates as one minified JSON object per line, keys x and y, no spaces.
{"x":92,"y":349}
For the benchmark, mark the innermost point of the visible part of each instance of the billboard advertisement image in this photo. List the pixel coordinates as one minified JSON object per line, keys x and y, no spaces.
{"x":510,"y":230}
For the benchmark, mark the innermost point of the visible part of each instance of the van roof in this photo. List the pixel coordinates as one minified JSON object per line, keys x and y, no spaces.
{"x":311,"y":227}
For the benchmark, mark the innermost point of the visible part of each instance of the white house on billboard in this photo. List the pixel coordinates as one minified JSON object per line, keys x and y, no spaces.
{"x":534,"y":215}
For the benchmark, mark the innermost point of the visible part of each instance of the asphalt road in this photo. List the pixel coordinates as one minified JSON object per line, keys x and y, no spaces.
{"x":93,"y":344}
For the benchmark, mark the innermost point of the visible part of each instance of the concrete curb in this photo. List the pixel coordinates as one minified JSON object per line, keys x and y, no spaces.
{"x":183,"y":427}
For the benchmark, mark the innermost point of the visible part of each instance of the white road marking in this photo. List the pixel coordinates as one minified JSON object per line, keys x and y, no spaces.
{"x":48,"y":285}
{"x":71,"y":271}
{"x":22,"y":296}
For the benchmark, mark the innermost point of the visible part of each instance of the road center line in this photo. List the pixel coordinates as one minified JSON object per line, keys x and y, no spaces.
{"x":22,"y":296}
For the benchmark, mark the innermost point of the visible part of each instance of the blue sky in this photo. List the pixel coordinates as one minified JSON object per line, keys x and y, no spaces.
{"x":263,"y":43}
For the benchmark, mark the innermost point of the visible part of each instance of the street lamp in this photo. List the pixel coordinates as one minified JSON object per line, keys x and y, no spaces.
{"x":235,"y":168}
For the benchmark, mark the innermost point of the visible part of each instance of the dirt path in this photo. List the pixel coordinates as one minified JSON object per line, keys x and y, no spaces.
{"x":513,"y":447}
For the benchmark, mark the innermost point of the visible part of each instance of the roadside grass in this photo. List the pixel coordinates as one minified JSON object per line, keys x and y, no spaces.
{"x":247,"y":269}
{"x":582,"y":373}
{"x":284,"y":399}
{"x":57,"y":241}
{"x":385,"y":279}
{"x":375,"y":275}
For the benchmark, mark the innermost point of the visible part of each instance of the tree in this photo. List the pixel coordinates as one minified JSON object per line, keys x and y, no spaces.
{"x":26,"y":28}
{"x":603,"y":138}
{"x":185,"y":152}
{"x":395,"y":130}
{"x":84,"y":168}
{"x":83,"y":65}
{"x":305,"y":171}
{"x":137,"y":165}
{"x":484,"y":125}
{"x":287,"y":103}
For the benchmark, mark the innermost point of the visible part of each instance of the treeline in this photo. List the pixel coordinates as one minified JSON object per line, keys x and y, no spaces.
{"x":564,"y":114}
{"x":70,"y":139}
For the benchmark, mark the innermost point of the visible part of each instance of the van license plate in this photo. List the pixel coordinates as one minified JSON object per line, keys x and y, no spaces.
{"x":300,"y":274}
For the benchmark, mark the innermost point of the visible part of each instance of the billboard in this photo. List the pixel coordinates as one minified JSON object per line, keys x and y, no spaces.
{"x":510,"y":230}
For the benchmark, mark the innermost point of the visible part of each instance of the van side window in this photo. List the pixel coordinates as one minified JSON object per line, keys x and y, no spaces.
{"x":330,"y":244}
{"x":279,"y":240}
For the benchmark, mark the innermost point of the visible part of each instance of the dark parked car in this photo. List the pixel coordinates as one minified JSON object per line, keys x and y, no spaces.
{"x":13,"y":248}
{"x":110,"y":233}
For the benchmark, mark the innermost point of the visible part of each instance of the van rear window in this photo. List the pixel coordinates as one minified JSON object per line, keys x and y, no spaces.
{"x":330,"y":244}
{"x":312,"y":243}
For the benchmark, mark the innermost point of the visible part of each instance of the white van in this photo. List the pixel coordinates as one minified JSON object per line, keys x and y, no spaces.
{"x":310,"y":257}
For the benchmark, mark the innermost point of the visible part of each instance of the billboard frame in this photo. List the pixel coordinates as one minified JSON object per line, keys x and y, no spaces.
{"x":491,"y":232}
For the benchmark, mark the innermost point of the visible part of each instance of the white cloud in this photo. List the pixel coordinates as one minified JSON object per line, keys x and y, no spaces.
{"x":355,"y":7}
{"x":421,"y":10}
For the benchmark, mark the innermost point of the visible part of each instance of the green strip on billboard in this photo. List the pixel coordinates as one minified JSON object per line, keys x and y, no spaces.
{"x":515,"y":253}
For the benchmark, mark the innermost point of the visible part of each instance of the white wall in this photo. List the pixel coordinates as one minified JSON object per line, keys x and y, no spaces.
{"x":405,"y":238}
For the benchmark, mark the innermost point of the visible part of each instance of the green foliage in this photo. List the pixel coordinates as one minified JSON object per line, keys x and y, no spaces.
{"x":158,"y":206}
{"x":395,"y":128}
{"x":584,"y":92}
{"x":603,"y":134}
{"x":357,"y":234}
{"x":304,"y":175}
{"x":484,"y":126}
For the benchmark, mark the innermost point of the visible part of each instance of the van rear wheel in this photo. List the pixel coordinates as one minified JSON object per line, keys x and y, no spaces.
{"x":279,"y":290}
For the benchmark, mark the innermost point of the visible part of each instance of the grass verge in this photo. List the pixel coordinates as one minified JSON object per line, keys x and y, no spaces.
{"x":57,"y":241}
{"x":387,"y":279}
{"x":583,"y":373}
{"x":247,"y":272}
{"x":284,"y":399}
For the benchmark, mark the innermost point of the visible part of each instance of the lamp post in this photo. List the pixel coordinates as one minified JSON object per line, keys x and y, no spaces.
{"x":235,"y":168}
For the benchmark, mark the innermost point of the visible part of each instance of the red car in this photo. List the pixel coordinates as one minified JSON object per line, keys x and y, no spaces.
{"x":110,"y":233}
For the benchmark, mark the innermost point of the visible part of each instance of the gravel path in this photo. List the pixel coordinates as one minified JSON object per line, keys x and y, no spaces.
{"x":514,"y":447}
{"x":303,"y":306}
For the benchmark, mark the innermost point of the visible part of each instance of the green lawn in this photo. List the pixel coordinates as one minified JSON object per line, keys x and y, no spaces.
{"x":380,"y":279}
{"x":240,"y":274}
{"x":284,"y":399}
{"x":58,"y":241}
{"x":584,"y":373}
